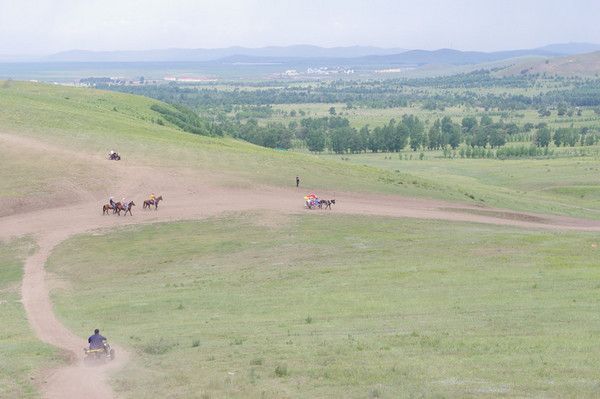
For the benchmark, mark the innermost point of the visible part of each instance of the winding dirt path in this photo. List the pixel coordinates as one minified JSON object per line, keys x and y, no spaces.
{"x":189,"y":197}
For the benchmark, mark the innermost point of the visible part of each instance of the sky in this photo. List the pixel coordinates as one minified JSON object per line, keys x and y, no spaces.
{"x":48,"y":26}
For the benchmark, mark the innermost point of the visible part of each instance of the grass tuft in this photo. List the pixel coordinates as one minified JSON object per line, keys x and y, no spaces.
{"x":281,"y":370}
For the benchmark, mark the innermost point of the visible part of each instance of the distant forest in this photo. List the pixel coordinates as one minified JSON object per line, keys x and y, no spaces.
{"x":237,"y":110}
{"x":433,"y":93}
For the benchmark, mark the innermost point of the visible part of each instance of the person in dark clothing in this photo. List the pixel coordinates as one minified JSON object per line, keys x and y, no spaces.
{"x":96,"y":341}
{"x":297,"y":181}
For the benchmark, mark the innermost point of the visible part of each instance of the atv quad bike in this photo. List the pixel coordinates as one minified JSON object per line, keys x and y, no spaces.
{"x":99,"y":355}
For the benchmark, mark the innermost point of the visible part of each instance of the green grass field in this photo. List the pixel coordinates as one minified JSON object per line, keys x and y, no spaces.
{"x":22,"y":356}
{"x":568,"y":186}
{"x":321,"y":305}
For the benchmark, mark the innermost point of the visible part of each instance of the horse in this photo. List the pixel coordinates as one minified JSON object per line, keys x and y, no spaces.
{"x":148,"y":203}
{"x":106,"y":208}
{"x":327,"y":203}
{"x":120,"y":207}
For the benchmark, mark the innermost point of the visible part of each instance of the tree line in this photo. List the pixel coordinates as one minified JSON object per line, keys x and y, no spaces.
{"x":334,"y":133}
{"x":430,"y":93}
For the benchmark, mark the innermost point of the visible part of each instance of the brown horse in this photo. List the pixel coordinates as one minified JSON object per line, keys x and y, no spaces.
{"x":148,"y":203}
{"x":106,"y":208}
{"x":120,"y":207}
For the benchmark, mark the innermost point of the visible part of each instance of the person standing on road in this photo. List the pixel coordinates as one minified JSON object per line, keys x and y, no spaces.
{"x":297,"y":182}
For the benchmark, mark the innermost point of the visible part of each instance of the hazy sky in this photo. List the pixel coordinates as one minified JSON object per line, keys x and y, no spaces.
{"x":47,"y":26}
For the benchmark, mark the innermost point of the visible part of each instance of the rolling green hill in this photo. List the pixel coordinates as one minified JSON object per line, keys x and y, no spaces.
{"x":87,"y":123}
{"x":571,"y":65}
{"x":91,"y":122}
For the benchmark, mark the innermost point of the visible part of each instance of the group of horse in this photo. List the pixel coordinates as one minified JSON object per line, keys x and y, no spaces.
{"x":320,"y":203}
{"x":126,"y":208}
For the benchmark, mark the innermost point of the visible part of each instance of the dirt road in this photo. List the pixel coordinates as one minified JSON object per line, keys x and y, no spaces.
{"x":186,"y":196}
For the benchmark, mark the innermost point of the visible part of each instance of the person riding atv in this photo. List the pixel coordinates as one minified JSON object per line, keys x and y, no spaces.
{"x":114,"y":156}
{"x":96,"y":341}
{"x":99,"y":348}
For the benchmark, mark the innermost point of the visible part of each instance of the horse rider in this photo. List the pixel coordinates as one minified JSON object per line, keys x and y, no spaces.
{"x":112,"y":202}
{"x":152,"y":198}
{"x":124,"y":203}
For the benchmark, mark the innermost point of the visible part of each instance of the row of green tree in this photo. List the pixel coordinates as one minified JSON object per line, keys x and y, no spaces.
{"x":520,"y":151}
{"x":335,"y":134}
{"x":565,"y":137}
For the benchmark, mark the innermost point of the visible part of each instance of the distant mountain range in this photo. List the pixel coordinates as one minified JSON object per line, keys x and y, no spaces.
{"x":353,"y":55}
{"x":205,"y":55}
{"x":418,"y":58}
{"x":563,"y":59}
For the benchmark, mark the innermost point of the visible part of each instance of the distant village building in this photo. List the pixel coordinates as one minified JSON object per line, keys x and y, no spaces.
{"x":188,"y":79}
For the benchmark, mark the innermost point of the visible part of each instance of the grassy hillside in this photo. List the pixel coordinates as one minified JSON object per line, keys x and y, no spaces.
{"x":92,"y":122}
{"x":557,"y":185}
{"x":327,"y":306}
{"x":32,"y":178}
{"x":23,"y":356}
{"x":573,"y":65}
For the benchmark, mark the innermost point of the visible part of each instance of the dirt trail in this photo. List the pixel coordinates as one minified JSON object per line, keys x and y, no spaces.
{"x":186,"y":196}
{"x":75,"y":380}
